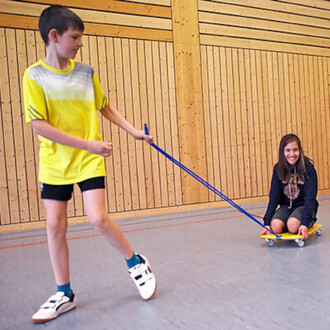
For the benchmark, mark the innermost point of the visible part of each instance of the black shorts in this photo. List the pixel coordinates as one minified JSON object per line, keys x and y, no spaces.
{"x":64,"y":192}
{"x":283,"y":213}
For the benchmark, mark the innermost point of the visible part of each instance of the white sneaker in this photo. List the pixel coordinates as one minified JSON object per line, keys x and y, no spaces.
{"x":144,"y":278}
{"x":53,"y":307}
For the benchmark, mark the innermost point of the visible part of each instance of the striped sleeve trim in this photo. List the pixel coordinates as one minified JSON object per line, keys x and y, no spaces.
{"x":34,"y":113}
{"x":104,"y":102}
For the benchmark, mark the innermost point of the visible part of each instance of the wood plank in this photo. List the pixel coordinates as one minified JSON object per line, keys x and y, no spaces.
{"x":31,"y":23}
{"x":281,"y":91}
{"x":237,"y":128}
{"x":262,"y":45}
{"x":116,"y":201}
{"x":40,"y":54}
{"x":263,"y":35}
{"x":27,"y":57}
{"x":269,"y":10}
{"x":153,"y":123}
{"x":259,"y":23}
{"x":33,"y":9}
{"x":159,"y":121}
{"x":246,"y":124}
{"x":256,"y":126}
{"x":207,"y":121}
{"x":147,"y":157}
{"x":8,"y":130}
{"x":262,"y":102}
{"x":137,"y":122}
{"x":113,"y":6}
{"x":167,"y":126}
{"x":104,"y":124}
{"x":226,"y":123}
{"x":308,"y":136}
{"x":131,"y":143}
{"x":174,"y":123}
{"x":4,"y":92}
{"x":303,"y":108}
{"x":313,"y":128}
{"x":123,"y":166}
{"x":15,"y":78}
{"x":212,"y":71}
{"x":326,"y":119}
{"x":189,"y":96}
{"x":319,"y":142}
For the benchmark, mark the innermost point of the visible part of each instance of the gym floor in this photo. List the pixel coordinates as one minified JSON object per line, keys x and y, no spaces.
{"x":213,"y":272}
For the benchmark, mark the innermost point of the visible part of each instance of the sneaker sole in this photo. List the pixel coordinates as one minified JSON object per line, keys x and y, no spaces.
{"x":53,"y":318}
{"x":152,"y":293}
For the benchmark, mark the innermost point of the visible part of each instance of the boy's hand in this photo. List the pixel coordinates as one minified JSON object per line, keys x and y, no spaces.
{"x":140,"y":135}
{"x":99,"y":148}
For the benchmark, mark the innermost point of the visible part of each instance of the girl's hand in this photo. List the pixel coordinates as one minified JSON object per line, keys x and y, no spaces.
{"x":265,"y":231}
{"x":303,"y":230}
{"x":99,"y":148}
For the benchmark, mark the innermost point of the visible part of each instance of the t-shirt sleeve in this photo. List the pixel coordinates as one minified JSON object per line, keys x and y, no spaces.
{"x":34,"y":99}
{"x":100,"y":99}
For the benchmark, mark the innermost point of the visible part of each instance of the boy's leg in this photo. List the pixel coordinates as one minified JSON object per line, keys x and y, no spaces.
{"x":57,"y":244}
{"x":59,"y":255}
{"x":94,"y":203}
{"x":143,"y":277}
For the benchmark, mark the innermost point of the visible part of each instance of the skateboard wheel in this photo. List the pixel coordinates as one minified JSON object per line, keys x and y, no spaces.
{"x":300,"y":242}
{"x":318,"y":232}
{"x":270,"y":242}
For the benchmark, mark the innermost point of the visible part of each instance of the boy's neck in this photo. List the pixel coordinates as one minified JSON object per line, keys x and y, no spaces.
{"x":57,"y":62}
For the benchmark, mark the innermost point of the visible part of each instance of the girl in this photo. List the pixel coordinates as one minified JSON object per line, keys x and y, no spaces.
{"x":293,"y":189}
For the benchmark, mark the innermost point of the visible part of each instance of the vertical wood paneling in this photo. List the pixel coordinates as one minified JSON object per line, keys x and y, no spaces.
{"x":218,"y":98}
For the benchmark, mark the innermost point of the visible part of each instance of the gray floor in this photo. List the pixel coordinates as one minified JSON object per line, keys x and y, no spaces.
{"x":213,"y":272}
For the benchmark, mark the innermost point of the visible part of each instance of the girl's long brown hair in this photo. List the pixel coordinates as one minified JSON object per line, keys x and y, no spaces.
{"x":284,"y":168}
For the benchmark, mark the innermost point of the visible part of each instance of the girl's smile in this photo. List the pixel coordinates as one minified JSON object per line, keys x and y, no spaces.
{"x":291,"y":152}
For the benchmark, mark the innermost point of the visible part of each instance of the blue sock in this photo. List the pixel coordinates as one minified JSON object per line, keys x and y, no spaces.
{"x":66,"y":288}
{"x":133,"y":261}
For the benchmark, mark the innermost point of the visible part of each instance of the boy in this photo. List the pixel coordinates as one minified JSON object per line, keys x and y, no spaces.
{"x":61,"y":98}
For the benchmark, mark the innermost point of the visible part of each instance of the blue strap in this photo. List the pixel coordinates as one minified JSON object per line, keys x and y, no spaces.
{"x":207,"y":185}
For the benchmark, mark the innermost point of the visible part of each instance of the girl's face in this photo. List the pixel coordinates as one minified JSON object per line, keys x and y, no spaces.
{"x":291,"y":152}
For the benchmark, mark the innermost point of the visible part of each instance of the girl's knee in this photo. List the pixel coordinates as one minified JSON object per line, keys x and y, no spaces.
{"x":277,"y":226}
{"x":293,"y":225}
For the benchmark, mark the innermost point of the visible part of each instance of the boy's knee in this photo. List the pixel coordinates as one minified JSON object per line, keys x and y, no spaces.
{"x":56,"y":225}
{"x":99,"y":221}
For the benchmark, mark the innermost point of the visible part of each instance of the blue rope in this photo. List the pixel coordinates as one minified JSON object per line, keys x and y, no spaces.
{"x":207,"y":185}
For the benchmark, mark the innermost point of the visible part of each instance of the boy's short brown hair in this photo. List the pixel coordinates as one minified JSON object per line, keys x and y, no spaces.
{"x":60,"y":18}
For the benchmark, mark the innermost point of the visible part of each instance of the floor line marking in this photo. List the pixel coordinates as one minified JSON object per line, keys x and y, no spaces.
{"x":125,"y":231}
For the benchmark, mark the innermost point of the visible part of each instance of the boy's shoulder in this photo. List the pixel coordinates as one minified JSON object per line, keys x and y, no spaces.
{"x":41,"y":68}
{"x":33,"y":68}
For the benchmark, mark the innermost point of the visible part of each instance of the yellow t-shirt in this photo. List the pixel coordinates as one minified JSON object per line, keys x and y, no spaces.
{"x":68,"y":100}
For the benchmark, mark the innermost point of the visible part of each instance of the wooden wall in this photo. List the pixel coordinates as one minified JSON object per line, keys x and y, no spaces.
{"x":218,"y":82}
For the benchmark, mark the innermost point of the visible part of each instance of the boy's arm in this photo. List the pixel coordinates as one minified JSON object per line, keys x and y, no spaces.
{"x":115,"y":117}
{"x":43,"y":128}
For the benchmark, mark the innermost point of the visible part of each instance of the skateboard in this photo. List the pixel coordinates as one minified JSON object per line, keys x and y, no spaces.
{"x":271,"y":238}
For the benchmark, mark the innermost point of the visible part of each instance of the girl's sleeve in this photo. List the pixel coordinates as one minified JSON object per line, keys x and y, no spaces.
{"x":310,"y":192}
{"x":274,"y":198}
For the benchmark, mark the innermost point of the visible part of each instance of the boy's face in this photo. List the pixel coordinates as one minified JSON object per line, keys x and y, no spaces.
{"x":69,"y":43}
